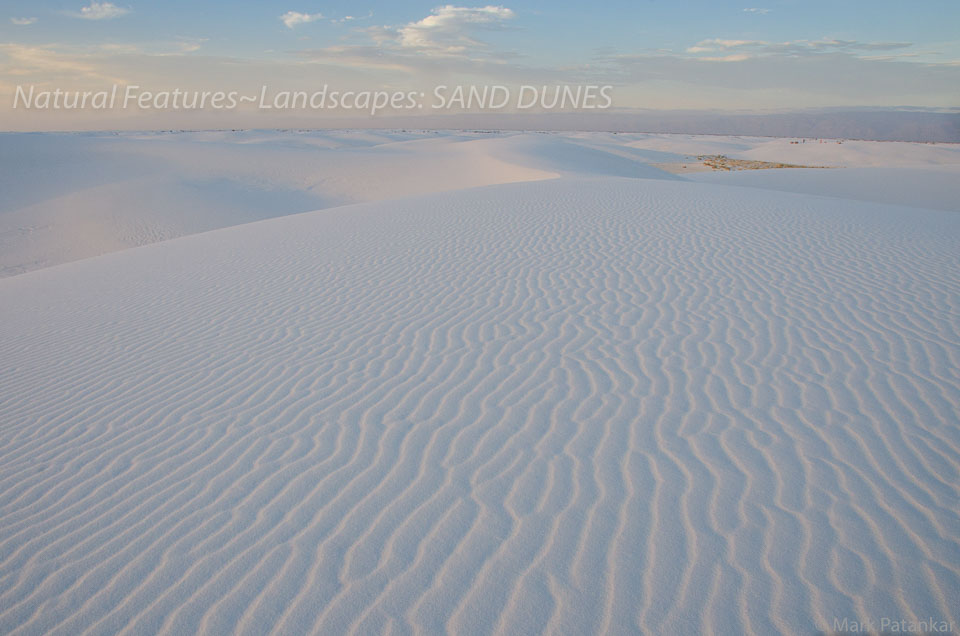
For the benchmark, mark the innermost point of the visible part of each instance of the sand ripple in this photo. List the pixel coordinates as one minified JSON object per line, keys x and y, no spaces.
{"x":576,"y":406}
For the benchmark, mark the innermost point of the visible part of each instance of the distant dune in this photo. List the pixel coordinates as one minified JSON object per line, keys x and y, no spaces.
{"x":67,"y":197}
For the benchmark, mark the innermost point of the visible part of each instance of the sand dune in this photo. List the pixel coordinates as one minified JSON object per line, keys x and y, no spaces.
{"x":935,"y":187}
{"x":575,"y":405}
{"x":69,"y":197}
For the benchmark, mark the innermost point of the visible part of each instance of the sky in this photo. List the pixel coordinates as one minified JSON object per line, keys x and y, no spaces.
{"x":751,"y":55}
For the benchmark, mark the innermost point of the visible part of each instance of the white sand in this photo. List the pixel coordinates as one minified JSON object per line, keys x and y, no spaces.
{"x":68,"y":197}
{"x":585,"y":404}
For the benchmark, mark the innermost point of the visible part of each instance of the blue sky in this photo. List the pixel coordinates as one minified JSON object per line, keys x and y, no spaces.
{"x":754,"y":54}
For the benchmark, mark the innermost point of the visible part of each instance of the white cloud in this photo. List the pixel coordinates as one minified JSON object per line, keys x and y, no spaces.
{"x":717,"y":44}
{"x":293,"y":18}
{"x":445,"y":31}
{"x":756,"y":10}
{"x":101,"y":11}
{"x":23,"y":21}
{"x":449,"y":33}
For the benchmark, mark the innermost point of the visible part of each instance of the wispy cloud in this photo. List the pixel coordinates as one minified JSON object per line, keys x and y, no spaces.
{"x":189,"y":45}
{"x":736,"y":77}
{"x":23,"y":21}
{"x":357,"y":56}
{"x":847,"y":45}
{"x":739,"y":50}
{"x":757,"y":10}
{"x":447,"y":30}
{"x":292,"y":18}
{"x":449,"y":35}
{"x":45,"y":62}
{"x":351,"y":18}
{"x":733,"y":57}
{"x":101,"y":11}
{"x":717,"y":44}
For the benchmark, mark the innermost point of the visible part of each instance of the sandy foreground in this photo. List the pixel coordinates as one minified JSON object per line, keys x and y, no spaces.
{"x":403,"y":382}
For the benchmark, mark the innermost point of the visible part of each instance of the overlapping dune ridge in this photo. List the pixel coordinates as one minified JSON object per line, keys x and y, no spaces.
{"x":553,"y":390}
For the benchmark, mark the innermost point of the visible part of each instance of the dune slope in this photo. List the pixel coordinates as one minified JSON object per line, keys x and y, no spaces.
{"x":66,"y":197}
{"x":577,"y":406}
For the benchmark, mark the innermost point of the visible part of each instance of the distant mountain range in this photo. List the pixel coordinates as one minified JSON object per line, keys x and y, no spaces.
{"x":880,"y":125}
{"x":900,"y":124}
